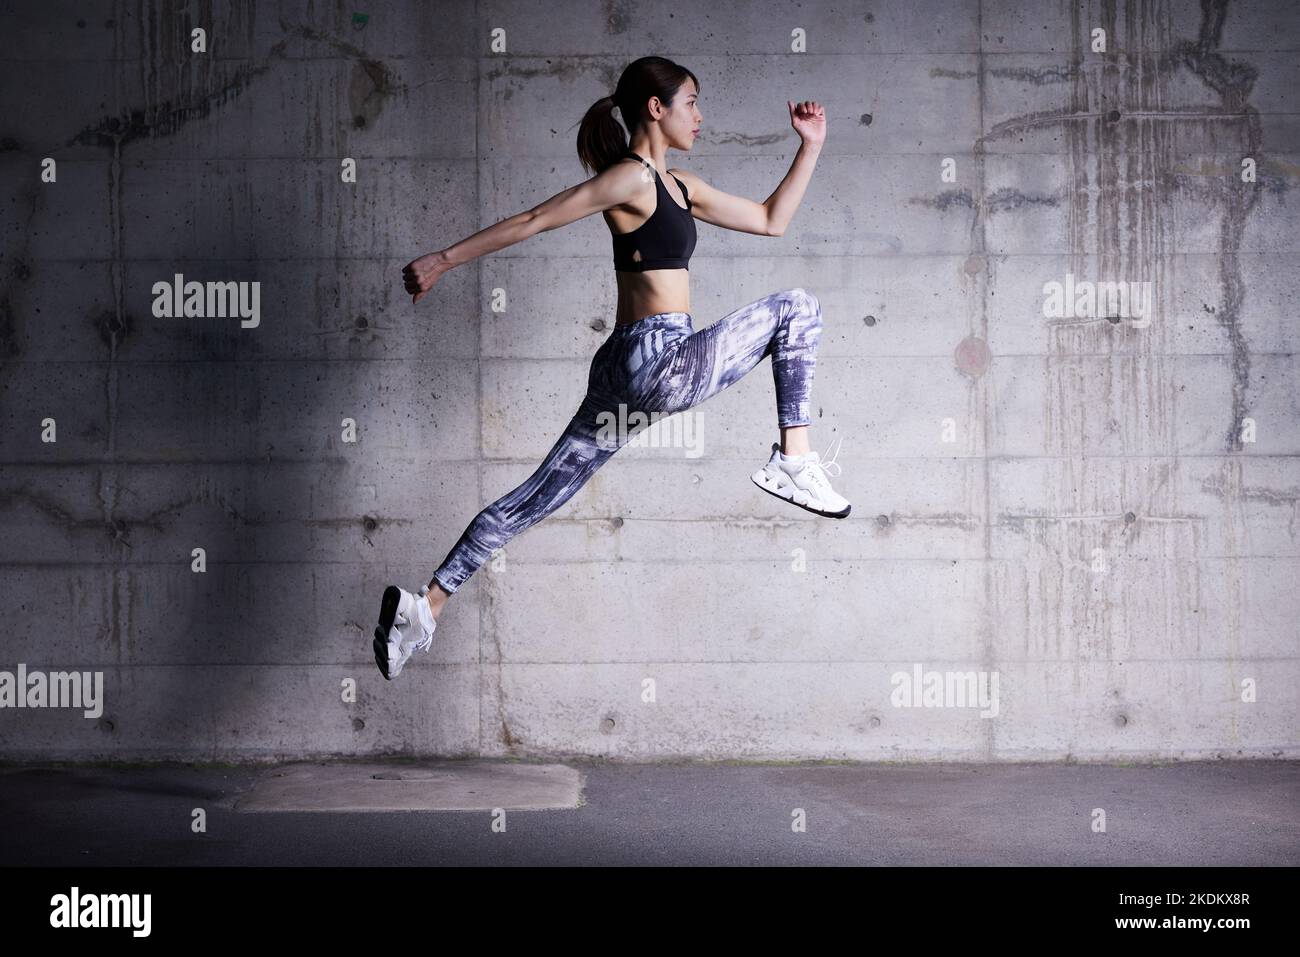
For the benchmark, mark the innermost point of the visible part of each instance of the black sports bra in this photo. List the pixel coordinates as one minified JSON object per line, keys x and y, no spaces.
{"x":665,"y":240}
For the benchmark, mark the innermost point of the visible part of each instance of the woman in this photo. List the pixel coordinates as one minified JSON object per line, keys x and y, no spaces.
{"x":654,"y":361}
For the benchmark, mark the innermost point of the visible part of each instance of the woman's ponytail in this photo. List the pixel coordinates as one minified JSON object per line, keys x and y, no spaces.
{"x":601,"y":140}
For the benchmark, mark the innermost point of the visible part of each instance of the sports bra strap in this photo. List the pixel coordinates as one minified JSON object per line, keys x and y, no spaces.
{"x":685,"y":192}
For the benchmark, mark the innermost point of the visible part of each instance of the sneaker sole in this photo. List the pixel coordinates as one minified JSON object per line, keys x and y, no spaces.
{"x":790,"y":501}
{"x":387,"y":614}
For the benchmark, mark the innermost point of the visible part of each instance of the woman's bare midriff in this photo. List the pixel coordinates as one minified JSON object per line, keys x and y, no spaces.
{"x":642,"y":294}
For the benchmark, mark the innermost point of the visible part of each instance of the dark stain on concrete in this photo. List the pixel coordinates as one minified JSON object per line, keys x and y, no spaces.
{"x":618,"y":16}
{"x":567,"y":68}
{"x":946,"y":200}
{"x":372,"y":81}
{"x":748,"y":140}
{"x":1223,"y":180}
{"x":1284,"y":498}
{"x":1017,"y":124}
{"x":43,"y":503}
{"x":997,"y":201}
{"x":12,"y":293}
{"x":9,"y":348}
{"x":117,"y":532}
{"x":1001,"y":200}
{"x":170,"y":117}
{"x":1039,"y":77}
{"x":1233,"y":82}
{"x":112,"y":328}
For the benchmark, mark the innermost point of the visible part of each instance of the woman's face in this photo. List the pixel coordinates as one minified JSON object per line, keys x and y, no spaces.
{"x":681,"y":121}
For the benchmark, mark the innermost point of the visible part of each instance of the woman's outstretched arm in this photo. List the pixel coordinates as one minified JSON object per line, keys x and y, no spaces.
{"x":611,"y":187}
{"x":768,"y":218}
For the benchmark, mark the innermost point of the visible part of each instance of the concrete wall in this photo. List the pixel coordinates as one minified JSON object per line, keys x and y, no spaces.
{"x":1074,"y":504}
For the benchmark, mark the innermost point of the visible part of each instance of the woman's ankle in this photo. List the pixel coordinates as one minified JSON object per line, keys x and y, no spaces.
{"x":794,"y":441}
{"x":436,"y":598}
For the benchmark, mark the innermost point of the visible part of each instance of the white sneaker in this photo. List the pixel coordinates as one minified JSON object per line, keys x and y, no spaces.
{"x":804,"y":482}
{"x":398,"y":609}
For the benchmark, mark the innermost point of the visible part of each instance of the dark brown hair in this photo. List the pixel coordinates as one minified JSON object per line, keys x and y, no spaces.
{"x":601,"y":140}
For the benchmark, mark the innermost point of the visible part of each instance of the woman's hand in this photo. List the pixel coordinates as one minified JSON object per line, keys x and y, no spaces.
{"x":419,"y":275}
{"x":809,"y":121}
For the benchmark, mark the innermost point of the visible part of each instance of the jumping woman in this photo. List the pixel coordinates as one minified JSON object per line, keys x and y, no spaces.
{"x":654,"y":362}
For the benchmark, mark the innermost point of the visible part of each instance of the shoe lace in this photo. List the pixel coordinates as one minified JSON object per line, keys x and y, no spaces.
{"x":831,"y":462}
{"x":818,"y":469}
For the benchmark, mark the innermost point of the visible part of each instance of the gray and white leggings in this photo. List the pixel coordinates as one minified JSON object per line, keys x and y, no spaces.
{"x":658,"y":364}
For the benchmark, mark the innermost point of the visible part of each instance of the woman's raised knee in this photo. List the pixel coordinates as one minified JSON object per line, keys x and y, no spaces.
{"x":807,"y":311}
{"x":804,"y":301}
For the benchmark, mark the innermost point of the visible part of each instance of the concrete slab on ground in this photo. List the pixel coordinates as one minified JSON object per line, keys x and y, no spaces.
{"x":429,"y":786}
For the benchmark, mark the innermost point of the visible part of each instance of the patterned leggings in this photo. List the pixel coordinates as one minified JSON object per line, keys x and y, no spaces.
{"x":658,"y":364}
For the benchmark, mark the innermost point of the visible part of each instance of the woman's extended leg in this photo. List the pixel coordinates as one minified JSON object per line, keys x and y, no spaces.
{"x":586,"y":443}
{"x":581,"y":449}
